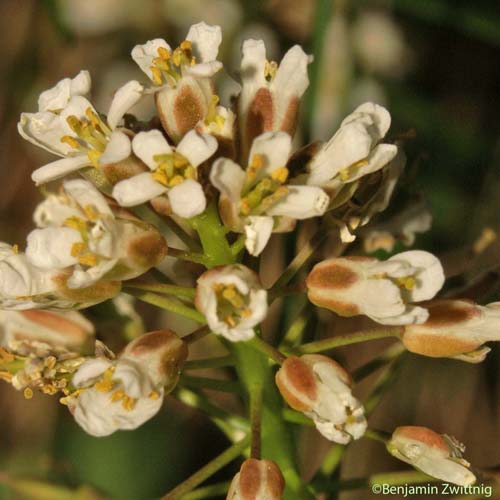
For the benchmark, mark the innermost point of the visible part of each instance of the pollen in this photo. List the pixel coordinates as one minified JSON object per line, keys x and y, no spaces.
{"x":28,"y":393}
{"x":407,"y":282}
{"x":154,"y":395}
{"x":77,"y":249}
{"x":91,"y":212}
{"x":270,"y":69}
{"x":70,"y":141}
{"x":15,"y":249}
{"x":89,"y":259}
{"x":280,"y":174}
{"x":128,"y":403}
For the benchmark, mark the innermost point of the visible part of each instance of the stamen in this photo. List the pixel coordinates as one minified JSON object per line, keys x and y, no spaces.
{"x":89,"y":259}
{"x":270,"y":69}
{"x":77,"y":249}
{"x":28,"y":393}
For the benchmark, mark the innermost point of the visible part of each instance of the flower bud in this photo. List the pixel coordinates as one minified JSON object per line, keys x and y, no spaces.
{"x":383,"y":291}
{"x":257,"y":480}
{"x":124,"y":393}
{"x":437,"y":455}
{"x":455,"y":328}
{"x":320,"y":388}
{"x":233,"y":301}
{"x":69,"y":329}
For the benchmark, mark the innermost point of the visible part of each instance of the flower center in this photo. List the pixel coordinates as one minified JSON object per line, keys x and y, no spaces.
{"x":232,"y":305}
{"x":167,"y":66}
{"x":270,"y":69}
{"x":213,"y":120}
{"x":259,"y":195}
{"x":348,"y":172}
{"x":92,"y":135}
{"x":172,"y":169}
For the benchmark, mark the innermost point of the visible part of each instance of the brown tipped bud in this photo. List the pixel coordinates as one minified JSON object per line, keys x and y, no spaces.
{"x":124,"y":169}
{"x":69,"y":330}
{"x":162,"y":353}
{"x":455,"y":328}
{"x":257,"y":480}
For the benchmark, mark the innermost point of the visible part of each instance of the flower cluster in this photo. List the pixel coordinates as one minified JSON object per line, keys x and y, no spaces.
{"x":223,"y":177}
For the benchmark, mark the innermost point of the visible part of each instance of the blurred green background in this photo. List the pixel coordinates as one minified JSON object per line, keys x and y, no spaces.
{"x":434,"y":63}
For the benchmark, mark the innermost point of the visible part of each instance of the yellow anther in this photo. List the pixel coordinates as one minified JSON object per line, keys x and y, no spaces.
{"x":93,"y":117}
{"x":28,"y":393}
{"x":160,"y":177}
{"x":77,"y":249}
{"x":177,"y":57}
{"x":230,"y":321}
{"x":163,"y":53}
{"x":91,"y":212}
{"x":190,"y":172}
{"x":154,"y":395}
{"x":15,"y":248}
{"x":50,"y":362}
{"x":186,"y":45}
{"x":117,"y":395}
{"x":246,"y":313}
{"x":180,"y":161}
{"x":156,"y":75}
{"x":257,"y":162}
{"x":104,"y":385}
{"x":175,"y":181}
{"x":76,"y":223}
{"x":128,"y":403}
{"x":94,"y":155}
{"x":407,"y":282}
{"x":88,"y":259}
{"x":74,"y":123}
{"x":344,"y":174}
{"x":270,"y":69}
{"x":219,"y":121}
{"x":245,"y":206}
{"x":70,"y":141}
{"x":280,"y":175}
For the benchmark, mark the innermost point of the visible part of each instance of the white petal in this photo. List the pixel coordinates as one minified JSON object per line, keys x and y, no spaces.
{"x":413,"y":315}
{"x":85,"y":193}
{"x":430,"y":277}
{"x":77,"y":106}
{"x":379,"y":298}
{"x":50,"y":247}
{"x":275,"y":150}
{"x":445,"y":469}
{"x":89,"y":371}
{"x":52,"y":211}
{"x":137,"y":190}
{"x":253,"y":62}
{"x":45,"y":130}
{"x":187,"y":199}
{"x":228,"y":177}
{"x":144,"y":54}
{"x":302,"y":202}
{"x":206,"y":40}
{"x":197,"y":147}
{"x":291,"y":77}
{"x":125,"y":97}
{"x":381,"y":117}
{"x":204,"y":70}
{"x":83,"y":278}
{"x":57,"y":97}
{"x":118,"y":148}
{"x":59,"y":168}
{"x":379,"y":157}
{"x":257,"y":231}
{"x":146,"y":145}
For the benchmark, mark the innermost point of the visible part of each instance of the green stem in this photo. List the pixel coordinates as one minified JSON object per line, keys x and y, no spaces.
{"x":196,"y":335}
{"x":180,"y":291}
{"x":295,"y":417}
{"x":208,"y":470}
{"x":216,"y":362}
{"x":198,"y":258}
{"x":350,"y":338}
{"x":267,"y":349}
{"x":255,"y":419}
{"x":213,"y":237}
{"x":213,"y":490}
{"x":238,"y":245}
{"x":211,"y":383}
{"x":168,"y":304}
{"x":332,"y":459}
{"x":376,"y":436}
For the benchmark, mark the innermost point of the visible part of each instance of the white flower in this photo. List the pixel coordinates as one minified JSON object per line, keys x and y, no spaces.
{"x":173,"y":172}
{"x":321,"y":389}
{"x":257,"y":480}
{"x":270,"y":94}
{"x":233,"y":301}
{"x":455,"y":328}
{"x":437,"y":455}
{"x":185,"y":95}
{"x":126,"y":392}
{"x":78,"y":230}
{"x":355,"y":150}
{"x":254,"y":199}
{"x":67,"y":125}
{"x":383,"y":291}
{"x":63,"y":329}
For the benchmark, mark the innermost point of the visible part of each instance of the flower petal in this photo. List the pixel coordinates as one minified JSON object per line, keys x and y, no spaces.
{"x":291,"y":77}
{"x":137,"y":190}
{"x":118,"y":148}
{"x":146,"y":145}
{"x":253,"y":63}
{"x":379,"y":157}
{"x":258,"y":230}
{"x":57,"y":97}
{"x":89,"y":371}
{"x":50,"y":247}
{"x":125,"y":97}
{"x":197,"y":147}
{"x":187,"y":199}
{"x":302,"y":202}
{"x":59,"y":168}
{"x":228,"y":177}
{"x":204,"y":70}
{"x":144,"y":54}
{"x":85,"y":194}
{"x":206,"y":40}
{"x":379,"y":115}
{"x":275,"y":150}
{"x":445,"y":469}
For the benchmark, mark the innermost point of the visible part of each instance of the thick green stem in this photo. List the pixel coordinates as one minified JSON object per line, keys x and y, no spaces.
{"x":168,"y":304}
{"x":208,"y":470}
{"x":179,"y":291}
{"x":213,"y":237}
{"x":267,"y":349}
{"x":350,"y":338}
